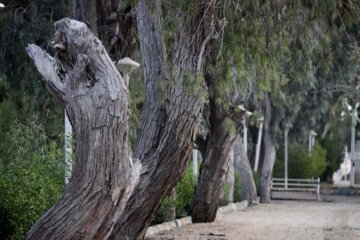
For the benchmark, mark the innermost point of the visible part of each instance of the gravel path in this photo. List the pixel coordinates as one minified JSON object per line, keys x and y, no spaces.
{"x":280,"y":220}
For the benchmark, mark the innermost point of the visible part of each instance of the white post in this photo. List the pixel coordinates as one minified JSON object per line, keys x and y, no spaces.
{"x":318,"y":189}
{"x":353,"y":125}
{"x":286,"y":157}
{"x":312,"y":136}
{"x":345,"y":162}
{"x":258,"y":144}
{"x":68,"y":148}
{"x":245,"y":138}
{"x":310,"y":141}
{"x":195,"y":164}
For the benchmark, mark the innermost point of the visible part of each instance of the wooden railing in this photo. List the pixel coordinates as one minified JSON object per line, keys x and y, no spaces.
{"x":300,"y":185}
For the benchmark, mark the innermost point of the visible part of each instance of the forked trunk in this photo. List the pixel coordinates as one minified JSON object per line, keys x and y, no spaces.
{"x":85,"y":80}
{"x":105,"y":186}
{"x":172,"y":110}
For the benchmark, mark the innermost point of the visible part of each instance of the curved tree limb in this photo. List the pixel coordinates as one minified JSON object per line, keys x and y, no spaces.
{"x":47,"y":67}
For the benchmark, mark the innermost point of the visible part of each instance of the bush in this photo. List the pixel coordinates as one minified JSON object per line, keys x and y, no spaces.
{"x":301,"y":164}
{"x":225,"y":197}
{"x":184,"y":191}
{"x":334,"y":155}
{"x":31,"y":177}
{"x":237,"y":188}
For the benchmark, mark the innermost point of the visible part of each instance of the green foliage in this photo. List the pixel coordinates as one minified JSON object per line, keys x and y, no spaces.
{"x":225,"y":197}
{"x":31,"y":177}
{"x":301,"y":164}
{"x":237,"y":188}
{"x":184,"y":191}
{"x":334,"y":147}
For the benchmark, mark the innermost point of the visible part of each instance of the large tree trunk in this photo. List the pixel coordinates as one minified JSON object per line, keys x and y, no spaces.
{"x":172,"y":110}
{"x":242,"y":166}
{"x":269,"y":155}
{"x":95,"y":96}
{"x":105,"y":186}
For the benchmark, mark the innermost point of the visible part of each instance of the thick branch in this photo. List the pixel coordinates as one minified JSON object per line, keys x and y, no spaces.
{"x":46,"y":65}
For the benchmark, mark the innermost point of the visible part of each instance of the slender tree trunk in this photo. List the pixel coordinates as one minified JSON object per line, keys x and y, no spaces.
{"x":86,"y":11}
{"x":269,"y":155}
{"x":172,"y":111}
{"x":224,"y":128}
{"x":85,"y":80}
{"x":242,"y":166}
{"x":210,"y":188}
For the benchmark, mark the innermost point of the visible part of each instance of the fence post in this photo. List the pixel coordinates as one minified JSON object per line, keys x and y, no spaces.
{"x":318,"y":189}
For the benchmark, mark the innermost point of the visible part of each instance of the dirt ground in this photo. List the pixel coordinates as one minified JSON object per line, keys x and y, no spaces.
{"x":280,"y":220}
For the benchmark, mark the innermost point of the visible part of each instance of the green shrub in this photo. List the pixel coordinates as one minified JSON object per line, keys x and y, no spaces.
{"x":31,"y":177}
{"x":334,"y":155}
{"x":237,"y":188}
{"x":184,"y":192}
{"x":225,"y":197}
{"x":301,"y":164}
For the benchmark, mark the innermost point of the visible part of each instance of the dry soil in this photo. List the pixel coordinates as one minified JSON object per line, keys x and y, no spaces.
{"x":280,"y":220}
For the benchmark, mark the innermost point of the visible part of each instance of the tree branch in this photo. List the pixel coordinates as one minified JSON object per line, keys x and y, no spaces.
{"x":46,"y":65}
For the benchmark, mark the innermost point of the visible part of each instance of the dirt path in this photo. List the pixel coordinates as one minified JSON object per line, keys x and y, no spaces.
{"x":280,"y":220}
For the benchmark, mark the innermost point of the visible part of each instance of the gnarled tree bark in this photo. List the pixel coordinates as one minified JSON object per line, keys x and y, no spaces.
{"x":172,"y":109}
{"x":107,"y":186}
{"x":85,"y":80}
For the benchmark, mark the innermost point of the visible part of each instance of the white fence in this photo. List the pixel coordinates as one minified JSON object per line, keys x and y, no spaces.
{"x":296,"y":185}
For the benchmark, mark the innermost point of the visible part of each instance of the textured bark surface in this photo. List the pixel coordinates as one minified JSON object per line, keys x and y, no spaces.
{"x":210,"y":188}
{"x":243,"y":168}
{"x":83,"y":77}
{"x":269,"y":155}
{"x":171,"y":112}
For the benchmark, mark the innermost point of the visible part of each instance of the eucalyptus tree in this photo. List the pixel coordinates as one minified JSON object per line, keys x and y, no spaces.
{"x":310,"y":42}
{"x":222,"y":120}
{"x":326,"y":106}
{"x":278,"y":41}
{"x":112,"y":195}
